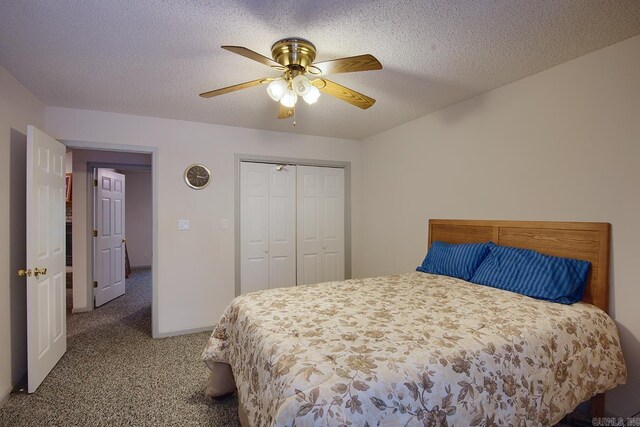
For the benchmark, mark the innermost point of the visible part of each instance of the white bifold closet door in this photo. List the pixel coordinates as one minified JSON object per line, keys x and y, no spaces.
{"x":320,"y":224}
{"x":268,"y":226}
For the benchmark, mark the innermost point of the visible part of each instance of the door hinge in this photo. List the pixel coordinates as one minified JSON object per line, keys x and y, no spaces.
{"x":95,"y":182}
{"x":95,"y":284}
{"x":95,"y":233}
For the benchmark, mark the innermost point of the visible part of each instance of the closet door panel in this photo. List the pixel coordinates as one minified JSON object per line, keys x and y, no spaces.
{"x":333,"y":224}
{"x":282,"y":226}
{"x":332,"y":267}
{"x":254,"y":229}
{"x":310,"y":269}
{"x":320,"y":224}
{"x":309,"y":209}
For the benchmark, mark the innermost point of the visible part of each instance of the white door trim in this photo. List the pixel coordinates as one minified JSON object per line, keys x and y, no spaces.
{"x":298,"y":162}
{"x":153,"y":151}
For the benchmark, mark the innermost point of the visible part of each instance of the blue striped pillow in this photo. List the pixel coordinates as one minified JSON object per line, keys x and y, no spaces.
{"x":533,"y":274}
{"x":454,"y":260}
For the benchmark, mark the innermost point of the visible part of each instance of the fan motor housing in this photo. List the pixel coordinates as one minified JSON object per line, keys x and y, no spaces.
{"x":293,"y":51}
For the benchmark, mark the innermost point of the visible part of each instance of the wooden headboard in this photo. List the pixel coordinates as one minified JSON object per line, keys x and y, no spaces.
{"x":587,"y":241}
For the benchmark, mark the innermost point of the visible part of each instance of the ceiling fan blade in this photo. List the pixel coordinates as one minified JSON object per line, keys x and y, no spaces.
{"x":344,"y":93}
{"x":348,"y":65}
{"x":285,"y":112}
{"x":233,"y":88}
{"x":248,"y":53}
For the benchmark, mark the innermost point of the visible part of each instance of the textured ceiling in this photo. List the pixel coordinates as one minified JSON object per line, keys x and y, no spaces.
{"x":153,"y":58}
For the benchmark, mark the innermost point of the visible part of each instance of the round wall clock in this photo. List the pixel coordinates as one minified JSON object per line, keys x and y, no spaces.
{"x":197,"y":176}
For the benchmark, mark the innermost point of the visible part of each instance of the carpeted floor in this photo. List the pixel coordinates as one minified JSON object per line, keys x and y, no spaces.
{"x":115,"y":374}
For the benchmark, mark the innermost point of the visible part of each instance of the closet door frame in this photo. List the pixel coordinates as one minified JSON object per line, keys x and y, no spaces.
{"x":239,"y":158}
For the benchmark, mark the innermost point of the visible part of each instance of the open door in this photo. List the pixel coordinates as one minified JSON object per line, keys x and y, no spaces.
{"x":109,"y":254}
{"x":45,"y":271}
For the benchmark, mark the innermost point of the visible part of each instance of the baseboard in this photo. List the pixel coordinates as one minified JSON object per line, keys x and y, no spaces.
{"x":81,"y":310}
{"x":140,"y":267}
{"x":185,"y":332}
{"x":5,"y":398}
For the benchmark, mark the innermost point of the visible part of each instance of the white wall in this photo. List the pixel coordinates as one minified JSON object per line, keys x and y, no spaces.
{"x":69,"y":163}
{"x":82,"y":219}
{"x":18,"y":107}
{"x":196,"y":267}
{"x":138,"y":217}
{"x":563,"y":144}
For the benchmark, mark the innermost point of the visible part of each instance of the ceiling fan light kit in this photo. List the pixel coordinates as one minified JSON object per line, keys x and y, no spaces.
{"x":287,"y":92}
{"x":294,"y":58}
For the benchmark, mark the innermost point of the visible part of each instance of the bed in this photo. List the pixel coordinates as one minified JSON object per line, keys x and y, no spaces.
{"x":423,"y":349}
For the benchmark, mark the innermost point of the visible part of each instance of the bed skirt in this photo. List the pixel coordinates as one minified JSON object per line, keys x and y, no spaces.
{"x":222,"y":383}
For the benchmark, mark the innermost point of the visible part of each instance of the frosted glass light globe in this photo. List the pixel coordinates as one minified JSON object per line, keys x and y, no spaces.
{"x":301,"y":85}
{"x":277,"y":89}
{"x":289,"y":99}
{"x":312,"y":96}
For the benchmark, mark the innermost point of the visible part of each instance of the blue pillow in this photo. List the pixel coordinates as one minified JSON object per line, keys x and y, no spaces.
{"x":454,"y":260}
{"x":533,"y":274}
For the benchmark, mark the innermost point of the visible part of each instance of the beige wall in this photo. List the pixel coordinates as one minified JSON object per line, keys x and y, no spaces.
{"x":138,"y":217}
{"x":196,"y":273}
{"x":563,"y":144}
{"x":18,"y":108}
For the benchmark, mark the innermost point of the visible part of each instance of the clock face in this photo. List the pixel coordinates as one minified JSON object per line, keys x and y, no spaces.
{"x":197,"y":176}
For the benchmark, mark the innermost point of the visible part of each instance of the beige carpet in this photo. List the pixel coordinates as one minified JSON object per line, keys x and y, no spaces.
{"x":115,"y":374}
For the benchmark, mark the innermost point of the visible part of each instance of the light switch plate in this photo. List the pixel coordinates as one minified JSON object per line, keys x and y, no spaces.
{"x":183,"y":224}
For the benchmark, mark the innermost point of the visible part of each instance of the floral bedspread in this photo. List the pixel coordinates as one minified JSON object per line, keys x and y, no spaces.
{"x":413,"y":349}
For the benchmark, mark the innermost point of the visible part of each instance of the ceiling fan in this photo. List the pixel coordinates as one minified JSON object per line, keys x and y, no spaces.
{"x":294,"y":58}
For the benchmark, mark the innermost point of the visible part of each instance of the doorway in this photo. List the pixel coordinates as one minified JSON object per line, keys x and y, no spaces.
{"x":139,"y":167}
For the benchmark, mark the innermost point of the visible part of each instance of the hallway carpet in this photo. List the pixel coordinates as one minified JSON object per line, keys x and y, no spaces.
{"x":115,"y":374}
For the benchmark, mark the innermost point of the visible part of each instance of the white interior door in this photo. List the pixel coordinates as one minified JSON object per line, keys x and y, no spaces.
{"x":267,"y":226}
{"x":282,"y":226}
{"x":254,"y":227}
{"x":332,"y":224}
{"x":46,"y":293}
{"x":320,"y":224}
{"x":109,"y":254}
{"x":309,"y":225}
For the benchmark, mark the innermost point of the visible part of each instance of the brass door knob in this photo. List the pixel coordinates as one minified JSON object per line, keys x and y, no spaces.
{"x":22,"y":272}
{"x":39,"y":271}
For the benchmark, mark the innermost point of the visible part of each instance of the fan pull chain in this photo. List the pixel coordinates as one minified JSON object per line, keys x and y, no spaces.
{"x":294,"y":118}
